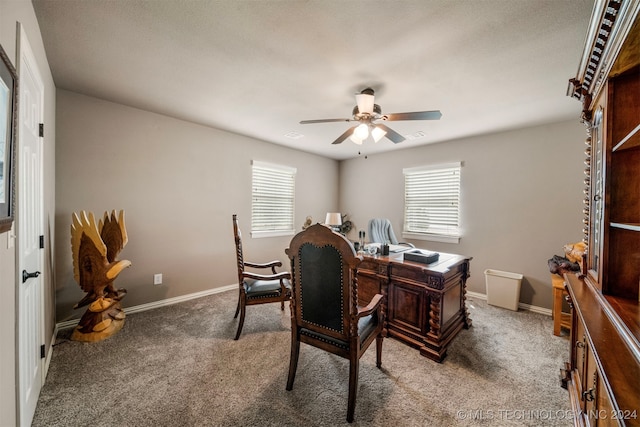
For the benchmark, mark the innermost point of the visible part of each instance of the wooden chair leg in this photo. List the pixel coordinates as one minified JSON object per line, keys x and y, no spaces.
{"x":379,"y":339}
{"x":241,"y":322}
{"x":293,"y":360}
{"x":353,"y":387}
{"x":238,"y":306}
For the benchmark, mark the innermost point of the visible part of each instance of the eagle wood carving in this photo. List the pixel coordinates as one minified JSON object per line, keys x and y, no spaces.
{"x":95,"y":248}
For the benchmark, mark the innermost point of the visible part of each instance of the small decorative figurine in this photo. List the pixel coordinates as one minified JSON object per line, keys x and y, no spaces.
{"x":307,"y":223}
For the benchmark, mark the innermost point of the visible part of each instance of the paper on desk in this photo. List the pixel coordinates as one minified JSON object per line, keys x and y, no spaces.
{"x":399,"y":248}
{"x":392,"y":248}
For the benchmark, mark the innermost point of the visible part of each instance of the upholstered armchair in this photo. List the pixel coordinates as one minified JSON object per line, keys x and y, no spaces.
{"x":381,"y":231}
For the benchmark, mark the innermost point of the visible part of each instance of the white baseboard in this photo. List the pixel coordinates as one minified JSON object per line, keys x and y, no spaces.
{"x":155,"y":304}
{"x":528,"y":307}
{"x":47,"y":361}
{"x":169,"y":301}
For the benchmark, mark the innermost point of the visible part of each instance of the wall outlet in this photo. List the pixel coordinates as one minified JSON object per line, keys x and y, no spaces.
{"x":157,"y":279}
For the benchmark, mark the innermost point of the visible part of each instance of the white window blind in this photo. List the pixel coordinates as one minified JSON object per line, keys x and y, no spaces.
{"x":273,"y":191}
{"x":432,"y":202}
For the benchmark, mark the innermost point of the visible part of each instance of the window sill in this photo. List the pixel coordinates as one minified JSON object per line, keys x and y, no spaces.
{"x":261,"y":234}
{"x":432,"y":237}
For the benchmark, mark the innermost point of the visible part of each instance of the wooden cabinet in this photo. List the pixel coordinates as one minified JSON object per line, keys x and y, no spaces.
{"x":425,"y":305}
{"x":603,"y":372}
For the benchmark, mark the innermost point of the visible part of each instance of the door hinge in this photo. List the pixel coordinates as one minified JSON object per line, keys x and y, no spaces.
{"x":42,"y":130}
{"x":42,"y":354}
{"x":42,"y":242}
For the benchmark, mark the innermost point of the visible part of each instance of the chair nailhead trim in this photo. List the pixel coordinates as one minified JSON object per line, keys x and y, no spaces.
{"x":345,"y":347}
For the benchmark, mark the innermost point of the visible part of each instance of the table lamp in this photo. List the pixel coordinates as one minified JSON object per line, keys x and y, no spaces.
{"x":333,"y":220}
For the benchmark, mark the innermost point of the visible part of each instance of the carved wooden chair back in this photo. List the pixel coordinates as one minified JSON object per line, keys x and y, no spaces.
{"x":324,"y":305}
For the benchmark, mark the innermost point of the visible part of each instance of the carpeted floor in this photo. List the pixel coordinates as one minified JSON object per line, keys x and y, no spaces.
{"x":179,"y":366}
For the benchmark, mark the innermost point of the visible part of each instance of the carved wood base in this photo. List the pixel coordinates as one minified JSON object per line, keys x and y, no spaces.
{"x":103,"y":318}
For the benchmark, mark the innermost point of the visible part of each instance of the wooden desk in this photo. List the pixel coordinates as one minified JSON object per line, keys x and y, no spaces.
{"x":425,"y":304}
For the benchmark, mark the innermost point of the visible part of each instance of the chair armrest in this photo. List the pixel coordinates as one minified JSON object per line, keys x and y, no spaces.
{"x":373,"y":305}
{"x":278,"y":276}
{"x":271,"y":264}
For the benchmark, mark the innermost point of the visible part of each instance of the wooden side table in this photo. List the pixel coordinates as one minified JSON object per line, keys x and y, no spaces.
{"x":560,"y":319}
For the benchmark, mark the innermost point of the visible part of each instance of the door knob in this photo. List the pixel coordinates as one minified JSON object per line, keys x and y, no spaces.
{"x":26,"y":276}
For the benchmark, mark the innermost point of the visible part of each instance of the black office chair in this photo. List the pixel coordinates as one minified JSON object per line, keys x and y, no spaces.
{"x":324,"y":304}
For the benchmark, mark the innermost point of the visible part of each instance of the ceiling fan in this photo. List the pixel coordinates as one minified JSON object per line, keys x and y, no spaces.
{"x":368,"y":115}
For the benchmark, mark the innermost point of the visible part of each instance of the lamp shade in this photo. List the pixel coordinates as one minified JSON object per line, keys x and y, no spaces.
{"x":365,"y":103}
{"x":355,"y":139}
{"x":361,"y":131}
{"x":333,"y":219}
{"x":377,"y":133}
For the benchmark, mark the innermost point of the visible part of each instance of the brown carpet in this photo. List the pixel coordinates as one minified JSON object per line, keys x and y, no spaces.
{"x":179,"y":366}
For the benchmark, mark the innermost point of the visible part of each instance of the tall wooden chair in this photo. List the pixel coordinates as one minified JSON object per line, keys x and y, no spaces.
{"x":324,"y":305}
{"x":258,"y":288}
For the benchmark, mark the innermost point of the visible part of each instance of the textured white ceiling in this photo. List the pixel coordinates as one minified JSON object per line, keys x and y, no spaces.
{"x":259,"y":67}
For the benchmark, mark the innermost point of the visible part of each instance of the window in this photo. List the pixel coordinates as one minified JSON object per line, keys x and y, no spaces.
{"x":272,"y":199}
{"x":432,"y":203}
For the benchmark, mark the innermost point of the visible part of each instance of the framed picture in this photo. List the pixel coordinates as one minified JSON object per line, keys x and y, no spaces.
{"x":8,"y":123}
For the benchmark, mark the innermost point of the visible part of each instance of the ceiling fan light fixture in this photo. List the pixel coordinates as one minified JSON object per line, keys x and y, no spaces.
{"x":366,"y":113}
{"x":377,"y":134}
{"x":361,"y":132}
{"x":355,"y":139}
{"x":365,"y":103}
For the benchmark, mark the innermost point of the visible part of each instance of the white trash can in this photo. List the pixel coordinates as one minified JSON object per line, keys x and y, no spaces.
{"x":503,"y":288}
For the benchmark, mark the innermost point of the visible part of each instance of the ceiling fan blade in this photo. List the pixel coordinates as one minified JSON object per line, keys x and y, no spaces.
{"x":391,"y":134}
{"x":344,"y":136}
{"x":418,"y":115}
{"x":306,"y":122}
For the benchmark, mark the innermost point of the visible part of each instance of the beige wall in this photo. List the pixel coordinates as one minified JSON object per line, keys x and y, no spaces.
{"x":11,"y":12}
{"x":521,"y":198}
{"x":179,"y":184}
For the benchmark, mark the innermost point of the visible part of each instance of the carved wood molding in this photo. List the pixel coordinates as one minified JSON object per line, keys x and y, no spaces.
{"x":587,"y":185}
{"x":611,"y":21}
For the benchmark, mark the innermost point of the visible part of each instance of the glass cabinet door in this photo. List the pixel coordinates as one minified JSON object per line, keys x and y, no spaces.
{"x":597,"y":197}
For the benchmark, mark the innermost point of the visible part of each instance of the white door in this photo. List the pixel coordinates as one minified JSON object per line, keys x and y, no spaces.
{"x":29,"y":220}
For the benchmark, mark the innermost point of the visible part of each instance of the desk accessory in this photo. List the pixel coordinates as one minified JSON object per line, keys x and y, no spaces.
{"x":421,"y":256}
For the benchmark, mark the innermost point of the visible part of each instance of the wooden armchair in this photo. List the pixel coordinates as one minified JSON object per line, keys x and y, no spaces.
{"x":324,"y":310}
{"x":258,"y":288}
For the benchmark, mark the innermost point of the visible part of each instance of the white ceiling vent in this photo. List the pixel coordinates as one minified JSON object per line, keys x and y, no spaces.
{"x":293,"y":135}
{"x":416,"y":135}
